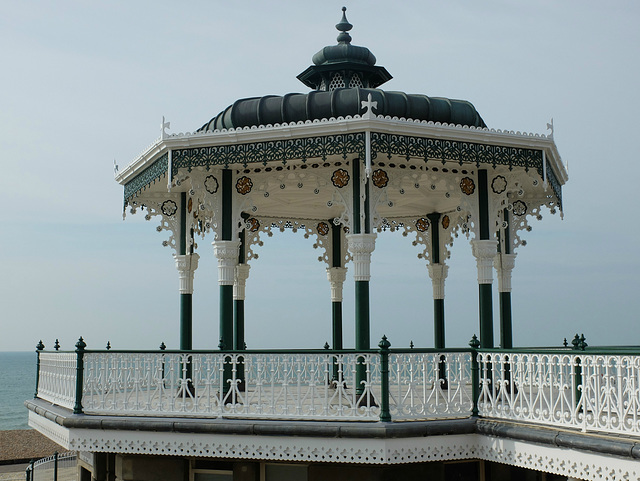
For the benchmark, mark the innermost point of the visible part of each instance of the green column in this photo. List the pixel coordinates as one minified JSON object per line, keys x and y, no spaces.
{"x":504,"y":285}
{"x":361,"y":245}
{"x":226,"y":287}
{"x":438,"y":301}
{"x":336,"y":303}
{"x":186,"y":319}
{"x":484,"y":287}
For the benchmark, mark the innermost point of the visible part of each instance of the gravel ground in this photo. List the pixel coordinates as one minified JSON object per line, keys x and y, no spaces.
{"x":24,"y":445}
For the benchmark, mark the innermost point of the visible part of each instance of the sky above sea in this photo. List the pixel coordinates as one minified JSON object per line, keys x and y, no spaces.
{"x":86,"y":84}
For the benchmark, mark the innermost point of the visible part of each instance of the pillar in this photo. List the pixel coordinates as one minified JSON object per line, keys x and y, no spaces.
{"x":504,"y":264}
{"x":226,"y":251}
{"x":186,"y":266}
{"x":240,"y":283}
{"x":484,"y":249}
{"x":438,"y":273}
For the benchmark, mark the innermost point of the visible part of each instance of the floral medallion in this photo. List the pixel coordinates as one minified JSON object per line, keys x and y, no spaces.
{"x":322,"y":228}
{"x":244,"y":185}
{"x":422,"y":224}
{"x":380,"y":178}
{"x":252,"y":224}
{"x":340,"y":178}
{"x":519,"y":208}
{"x":211,"y":184}
{"x":169,"y":208}
{"x":446,"y":222}
{"x":499,"y":184}
{"x":467,"y":186}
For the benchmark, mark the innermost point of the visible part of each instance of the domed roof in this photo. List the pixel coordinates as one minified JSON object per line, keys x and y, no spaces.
{"x":342,"y":75}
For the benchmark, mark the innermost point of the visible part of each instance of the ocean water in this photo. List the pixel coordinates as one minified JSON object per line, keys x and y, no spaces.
{"x":17,"y":384}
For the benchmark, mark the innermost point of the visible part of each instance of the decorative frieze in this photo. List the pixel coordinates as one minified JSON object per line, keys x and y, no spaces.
{"x":336,"y":276}
{"x":484,"y":251}
{"x":186,"y":265}
{"x":227,"y":254}
{"x":361,"y":246}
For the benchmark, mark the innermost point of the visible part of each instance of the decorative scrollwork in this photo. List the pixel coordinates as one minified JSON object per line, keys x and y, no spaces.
{"x":322,"y":228}
{"x":211,"y":184}
{"x":340,"y":178}
{"x":244,"y":185}
{"x":519,"y":208}
{"x":499,"y":184}
{"x":422,"y":224}
{"x":147,"y":177}
{"x":380,"y":178}
{"x":467,"y":186}
{"x":252,"y":224}
{"x":169,"y":208}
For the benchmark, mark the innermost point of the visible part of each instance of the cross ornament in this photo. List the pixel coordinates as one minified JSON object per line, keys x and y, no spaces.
{"x":368,"y":104}
{"x":163,"y":127}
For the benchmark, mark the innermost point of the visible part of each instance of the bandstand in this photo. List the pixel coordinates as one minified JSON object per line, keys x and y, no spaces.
{"x":340,"y":164}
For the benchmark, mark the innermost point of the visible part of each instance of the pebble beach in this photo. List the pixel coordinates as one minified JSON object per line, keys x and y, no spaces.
{"x":18,"y":447}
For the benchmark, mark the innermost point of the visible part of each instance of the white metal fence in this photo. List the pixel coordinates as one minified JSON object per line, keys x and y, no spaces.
{"x":58,"y":467}
{"x":592,"y":391}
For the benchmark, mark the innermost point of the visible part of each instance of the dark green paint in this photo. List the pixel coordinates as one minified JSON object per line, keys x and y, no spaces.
{"x":363,"y":335}
{"x":336,"y":244}
{"x":384,"y":345}
{"x":483,"y":205}
{"x":438,"y":323}
{"x":486,"y":315}
{"x":80,"y":345}
{"x":186,"y":334}
{"x":355,"y":171}
{"x":505,"y":233}
{"x":506,"y":330}
{"x":227,"y":211}
{"x":238,"y":335}
{"x":434,"y":220}
{"x":182,"y":241}
{"x":475,"y":374}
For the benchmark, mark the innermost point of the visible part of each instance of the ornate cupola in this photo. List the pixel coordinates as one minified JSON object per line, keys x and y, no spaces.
{"x":344,"y":65}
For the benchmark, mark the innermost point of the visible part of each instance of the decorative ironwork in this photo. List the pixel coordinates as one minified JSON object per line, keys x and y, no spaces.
{"x":211,"y":184}
{"x":445,"y":222}
{"x":519,"y":208}
{"x":169,"y":208}
{"x":380,"y":178}
{"x":270,"y":151}
{"x":499,"y":184}
{"x":323,"y":228}
{"x":244,"y":185}
{"x":252,"y":224}
{"x":467,"y":186}
{"x":147,"y":177}
{"x":340,"y":178}
{"x":422,"y":224}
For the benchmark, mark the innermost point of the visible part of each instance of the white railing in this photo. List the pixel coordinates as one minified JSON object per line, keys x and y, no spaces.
{"x":61,"y":467}
{"x":250,"y":385}
{"x":430,"y":385}
{"x":592,"y":392}
{"x":57,"y":378}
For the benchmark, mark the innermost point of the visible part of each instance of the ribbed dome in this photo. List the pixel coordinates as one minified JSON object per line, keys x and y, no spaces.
{"x":273,"y":109}
{"x":342,"y":76}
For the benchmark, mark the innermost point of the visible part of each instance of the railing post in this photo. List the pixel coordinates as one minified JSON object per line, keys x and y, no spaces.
{"x":55,"y":466}
{"x":80,"y":345}
{"x":39,"y":347}
{"x":579,"y":344}
{"x":384,"y":345}
{"x":29,"y":470}
{"x":475,"y":374}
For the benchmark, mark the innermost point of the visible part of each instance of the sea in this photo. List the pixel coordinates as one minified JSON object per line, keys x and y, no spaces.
{"x":17,"y":384}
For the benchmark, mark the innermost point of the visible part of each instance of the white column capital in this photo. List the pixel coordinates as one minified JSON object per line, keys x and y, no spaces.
{"x":227,"y":253}
{"x":241,"y":276}
{"x":186,"y":265}
{"x":361,"y":246}
{"x":484,"y":251}
{"x":504,"y":264}
{"x":336,"y":276}
{"x":438,"y":274}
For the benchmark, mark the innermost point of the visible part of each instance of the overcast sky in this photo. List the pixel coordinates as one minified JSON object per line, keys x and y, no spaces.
{"x":87,"y":83}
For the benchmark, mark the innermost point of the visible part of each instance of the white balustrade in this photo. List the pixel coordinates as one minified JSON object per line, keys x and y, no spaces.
{"x":430,"y":385}
{"x":57,"y":378}
{"x":587,"y":391}
{"x":248,"y":385}
{"x":592,"y":392}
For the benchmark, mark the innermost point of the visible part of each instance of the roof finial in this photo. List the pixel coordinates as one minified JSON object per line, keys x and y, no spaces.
{"x":344,"y":26}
